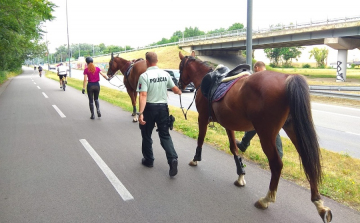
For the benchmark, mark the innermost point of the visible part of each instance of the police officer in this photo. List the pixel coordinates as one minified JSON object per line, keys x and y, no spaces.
{"x":245,"y":141}
{"x":152,"y":88}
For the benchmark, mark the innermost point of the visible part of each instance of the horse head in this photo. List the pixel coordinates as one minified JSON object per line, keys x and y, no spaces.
{"x":191,"y":70}
{"x":112,"y":66}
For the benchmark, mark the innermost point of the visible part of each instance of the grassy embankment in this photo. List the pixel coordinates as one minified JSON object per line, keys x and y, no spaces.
{"x":341,"y":173}
{"x":4,"y":75}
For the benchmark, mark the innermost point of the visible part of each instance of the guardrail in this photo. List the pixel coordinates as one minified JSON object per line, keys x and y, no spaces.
{"x":334,"y":88}
{"x":335,"y":94}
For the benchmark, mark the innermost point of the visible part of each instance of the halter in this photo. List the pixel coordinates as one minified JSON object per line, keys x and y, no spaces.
{"x":183,"y":64}
{"x":113,"y":73}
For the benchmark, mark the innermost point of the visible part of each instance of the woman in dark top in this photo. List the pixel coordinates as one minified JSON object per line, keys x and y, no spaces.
{"x":92,"y":78}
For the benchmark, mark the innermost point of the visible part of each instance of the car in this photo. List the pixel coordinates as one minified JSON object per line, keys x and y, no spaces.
{"x":175,"y":75}
{"x":52,"y":67}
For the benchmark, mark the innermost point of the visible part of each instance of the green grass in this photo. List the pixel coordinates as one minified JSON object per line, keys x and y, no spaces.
{"x":4,"y":75}
{"x":319,"y":73}
{"x":341,"y":173}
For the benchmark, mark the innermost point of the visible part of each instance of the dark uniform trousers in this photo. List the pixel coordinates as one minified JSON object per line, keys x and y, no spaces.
{"x":157,"y":113}
{"x":249,"y":135}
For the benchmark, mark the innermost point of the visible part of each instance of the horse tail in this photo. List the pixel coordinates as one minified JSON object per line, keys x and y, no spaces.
{"x":298,"y":96}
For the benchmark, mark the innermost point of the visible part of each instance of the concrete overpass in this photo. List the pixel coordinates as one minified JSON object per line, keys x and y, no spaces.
{"x":341,"y":34}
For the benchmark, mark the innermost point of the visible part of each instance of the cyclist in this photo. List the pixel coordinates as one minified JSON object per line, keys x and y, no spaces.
{"x":62,"y":73}
{"x":40,"y":70}
{"x":34,"y":68}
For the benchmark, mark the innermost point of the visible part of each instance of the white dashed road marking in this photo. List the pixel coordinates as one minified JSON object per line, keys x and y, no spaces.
{"x":45,"y":95}
{"x":58,"y":111}
{"x":119,"y":187}
{"x":38,"y":87}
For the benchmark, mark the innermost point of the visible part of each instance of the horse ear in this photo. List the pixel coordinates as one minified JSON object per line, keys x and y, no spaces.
{"x":180,"y":55}
{"x":112,"y":55}
{"x":193,"y":53}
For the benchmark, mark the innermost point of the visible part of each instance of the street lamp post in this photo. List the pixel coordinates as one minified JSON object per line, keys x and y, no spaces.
{"x":67,"y":27}
{"x":249,"y":34}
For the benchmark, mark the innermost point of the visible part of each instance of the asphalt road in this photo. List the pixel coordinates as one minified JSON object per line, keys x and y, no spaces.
{"x":60,"y":166}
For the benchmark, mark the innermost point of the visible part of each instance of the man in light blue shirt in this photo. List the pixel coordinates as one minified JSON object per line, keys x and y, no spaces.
{"x":152,"y":88}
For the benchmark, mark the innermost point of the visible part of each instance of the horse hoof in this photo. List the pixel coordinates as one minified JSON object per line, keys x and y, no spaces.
{"x":236,"y":183}
{"x":135,"y":120}
{"x":260,"y":206}
{"x":326,"y":215}
{"x":241,"y":181}
{"x":133,"y":114}
{"x":193,"y":163}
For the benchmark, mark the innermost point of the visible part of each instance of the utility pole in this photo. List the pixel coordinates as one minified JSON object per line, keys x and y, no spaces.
{"x":249,"y":34}
{"x":67,"y":27}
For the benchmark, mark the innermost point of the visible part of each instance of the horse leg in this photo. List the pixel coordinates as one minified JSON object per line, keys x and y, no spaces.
{"x":240,"y":167}
{"x":267,"y":140}
{"x":133,"y":95}
{"x":200,"y":141}
{"x":324,"y":212}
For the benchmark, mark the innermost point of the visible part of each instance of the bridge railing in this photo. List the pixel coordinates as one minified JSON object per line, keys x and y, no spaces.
{"x":242,"y":32}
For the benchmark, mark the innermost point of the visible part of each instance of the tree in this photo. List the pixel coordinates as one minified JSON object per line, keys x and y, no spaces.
{"x":221,"y":30}
{"x":289,"y":53}
{"x":236,"y":26}
{"x":190,"y":32}
{"x":320,"y":56}
{"x":21,"y":33}
{"x":274,"y":54}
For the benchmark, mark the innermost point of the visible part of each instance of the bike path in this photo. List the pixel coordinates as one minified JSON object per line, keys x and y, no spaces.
{"x":48,"y":176}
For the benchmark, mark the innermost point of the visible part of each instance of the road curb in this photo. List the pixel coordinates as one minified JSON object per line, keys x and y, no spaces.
{"x":4,"y":85}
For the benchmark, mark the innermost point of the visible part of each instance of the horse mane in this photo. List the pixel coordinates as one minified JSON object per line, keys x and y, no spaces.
{"x":191,"y":59}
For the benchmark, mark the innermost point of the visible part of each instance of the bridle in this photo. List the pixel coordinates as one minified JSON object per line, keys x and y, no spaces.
{"x":181,"y":67}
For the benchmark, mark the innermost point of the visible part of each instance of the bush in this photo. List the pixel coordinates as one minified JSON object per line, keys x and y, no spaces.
{"x":306,"y":65}
{"x":272,"y":65}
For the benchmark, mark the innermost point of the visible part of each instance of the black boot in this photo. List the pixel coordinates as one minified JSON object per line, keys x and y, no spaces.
{"x":91,"y":105}
{"x":97,"y":108}
{"x":245,"y":142}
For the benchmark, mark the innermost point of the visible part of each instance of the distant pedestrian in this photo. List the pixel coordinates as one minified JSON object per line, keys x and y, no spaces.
{"x":91,"y":81}
{"x":153,"y":107}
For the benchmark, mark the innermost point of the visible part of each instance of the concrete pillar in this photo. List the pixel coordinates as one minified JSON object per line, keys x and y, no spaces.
{"x":342,"y":45}
{"x":341,"y":65}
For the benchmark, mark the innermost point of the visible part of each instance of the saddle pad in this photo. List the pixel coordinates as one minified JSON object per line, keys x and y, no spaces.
{"x":235,"y":76}
{"x":224,"y":88}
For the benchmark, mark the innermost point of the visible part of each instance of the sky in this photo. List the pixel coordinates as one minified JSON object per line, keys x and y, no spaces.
{"x":139,"y":23}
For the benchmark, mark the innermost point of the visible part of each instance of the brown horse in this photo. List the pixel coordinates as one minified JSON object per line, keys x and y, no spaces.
{"x":137,"y":67}
{"x":265,"y":101}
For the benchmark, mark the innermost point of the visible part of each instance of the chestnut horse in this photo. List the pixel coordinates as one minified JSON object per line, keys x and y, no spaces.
{"x":130,"y":80}
{"x":265,"y":101}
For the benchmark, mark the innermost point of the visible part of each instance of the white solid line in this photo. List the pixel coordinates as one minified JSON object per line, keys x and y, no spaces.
{"x":45,"y":95}
{"x":119,"y":187}
{"x":38,"y":87}
{"x":353,"y":133}
{"x":333,"y":113}
{"x":58,"y":111}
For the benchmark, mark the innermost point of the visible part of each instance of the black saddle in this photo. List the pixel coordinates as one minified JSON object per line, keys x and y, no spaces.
{"x":213,"y":79}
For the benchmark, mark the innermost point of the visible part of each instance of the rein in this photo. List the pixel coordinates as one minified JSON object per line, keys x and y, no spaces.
{"x":182,"y":108}
{"x":121,"y":85}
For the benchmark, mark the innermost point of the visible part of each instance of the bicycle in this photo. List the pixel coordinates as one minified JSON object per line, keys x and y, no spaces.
{"x":63,"y":82}
{"x":40,"y":73}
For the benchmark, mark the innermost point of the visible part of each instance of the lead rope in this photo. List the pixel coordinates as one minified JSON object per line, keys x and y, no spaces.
{"x":121,"y":85}
{"x":182,"y":108}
